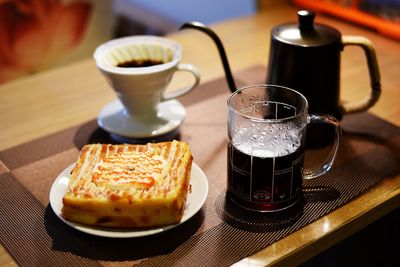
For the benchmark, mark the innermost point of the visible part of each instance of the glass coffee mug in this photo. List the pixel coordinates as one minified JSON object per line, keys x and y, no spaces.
{"x":266,"y":146}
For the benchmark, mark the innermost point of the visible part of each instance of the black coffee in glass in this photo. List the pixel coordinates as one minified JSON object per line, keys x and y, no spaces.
{"x":262,"y":181}
{"x":266,"y":145}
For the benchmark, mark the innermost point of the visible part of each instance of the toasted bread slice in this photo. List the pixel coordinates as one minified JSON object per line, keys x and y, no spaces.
{"x":129,"y":185}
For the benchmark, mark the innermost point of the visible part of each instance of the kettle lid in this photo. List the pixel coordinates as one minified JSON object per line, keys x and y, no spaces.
{"x":306,"y":32}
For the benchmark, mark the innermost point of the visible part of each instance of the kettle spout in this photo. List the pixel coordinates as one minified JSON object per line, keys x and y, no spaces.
{"x":200,"y":26}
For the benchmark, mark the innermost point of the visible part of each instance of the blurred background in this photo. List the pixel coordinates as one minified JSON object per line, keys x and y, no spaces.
{"x":161,"y":17}
{"x":37,"y":35}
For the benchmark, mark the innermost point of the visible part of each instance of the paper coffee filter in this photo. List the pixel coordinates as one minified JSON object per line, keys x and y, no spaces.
{"x":116,"y":51}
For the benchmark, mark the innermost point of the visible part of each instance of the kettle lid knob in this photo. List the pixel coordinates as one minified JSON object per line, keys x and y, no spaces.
{"x":306,"y":20}
{"x":305,"y":33}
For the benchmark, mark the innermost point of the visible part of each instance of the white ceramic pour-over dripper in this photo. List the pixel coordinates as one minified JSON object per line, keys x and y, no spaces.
{"x":141,"y":90}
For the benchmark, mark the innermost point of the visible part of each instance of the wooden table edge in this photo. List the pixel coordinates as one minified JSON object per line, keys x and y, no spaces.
{"x":280,"y":254}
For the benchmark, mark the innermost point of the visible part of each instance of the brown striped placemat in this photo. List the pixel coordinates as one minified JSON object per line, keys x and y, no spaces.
{"x":220,"y":233}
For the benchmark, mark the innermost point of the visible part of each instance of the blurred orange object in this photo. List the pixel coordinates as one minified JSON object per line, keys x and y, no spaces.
{"x":353,"y":14}
{"x":34,"y":34}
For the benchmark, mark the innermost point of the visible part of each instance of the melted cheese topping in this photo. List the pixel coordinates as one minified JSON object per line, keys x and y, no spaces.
{"x":113,"y":171}
{"x":135,"y":168}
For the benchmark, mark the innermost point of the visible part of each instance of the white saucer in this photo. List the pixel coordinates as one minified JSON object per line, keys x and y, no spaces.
{"x":113,"y":118}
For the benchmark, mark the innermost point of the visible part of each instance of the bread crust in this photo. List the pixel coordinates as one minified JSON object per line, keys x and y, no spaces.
{"x":126,"y":186}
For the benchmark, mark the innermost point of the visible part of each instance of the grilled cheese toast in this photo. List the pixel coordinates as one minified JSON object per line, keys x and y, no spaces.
{"x":129,"y":185}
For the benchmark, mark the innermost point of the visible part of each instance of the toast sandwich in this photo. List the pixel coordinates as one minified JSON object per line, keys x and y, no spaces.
{"x":129,"y":185}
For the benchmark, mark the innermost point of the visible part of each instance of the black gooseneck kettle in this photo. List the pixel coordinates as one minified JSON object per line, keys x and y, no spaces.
{"x":305,"y":56}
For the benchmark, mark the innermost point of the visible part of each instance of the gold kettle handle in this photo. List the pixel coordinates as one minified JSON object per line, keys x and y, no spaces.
{"x":374,"y":75}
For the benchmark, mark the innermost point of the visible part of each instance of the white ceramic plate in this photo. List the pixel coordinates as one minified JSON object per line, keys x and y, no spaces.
{"x":195,"y":201}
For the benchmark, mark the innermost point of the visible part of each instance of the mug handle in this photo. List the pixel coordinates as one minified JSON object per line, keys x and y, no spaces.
{"x":311,"y":173}
{"x":374,"y":75}
{"x":182,"y":91}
